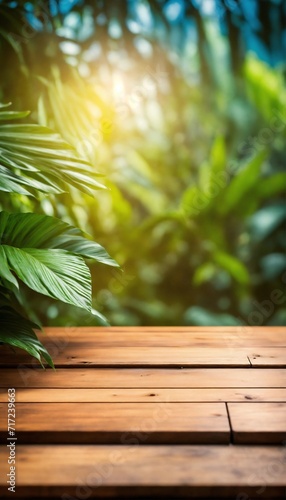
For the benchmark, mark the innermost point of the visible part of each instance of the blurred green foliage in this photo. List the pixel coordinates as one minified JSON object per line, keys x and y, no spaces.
{"x":191,"y":138}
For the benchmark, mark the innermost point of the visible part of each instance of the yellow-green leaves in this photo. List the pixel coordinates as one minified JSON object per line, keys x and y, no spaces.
{"x":34,"y":158}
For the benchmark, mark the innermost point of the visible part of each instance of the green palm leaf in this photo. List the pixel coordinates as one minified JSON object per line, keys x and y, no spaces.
{"x":41,"y":231}
{"x":55,"y":273}
{"x":33,"y":157}
{"x":19,"y":332}
{"x":11,"y":182}
{"x":5,"y":272}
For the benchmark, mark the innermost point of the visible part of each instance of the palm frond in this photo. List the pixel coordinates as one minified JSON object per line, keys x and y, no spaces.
{"x":18,"y":331}
{"x":34,"y":158}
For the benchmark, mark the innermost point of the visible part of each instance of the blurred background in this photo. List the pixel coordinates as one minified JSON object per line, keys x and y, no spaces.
{"x":181,"y":105}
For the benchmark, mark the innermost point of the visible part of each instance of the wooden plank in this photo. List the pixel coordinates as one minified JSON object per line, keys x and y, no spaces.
{"x":145,"y":395}
{"x":35,"y":376}
{"x":89,"y":355}
{"x":86,"y":353}
{"x":165,"y":337}
{"x":268,"y":357}
{"x":166,"y":471}
{"x":258,"y":423}
{"x":238,"y":330}
{"x":119,"y":423}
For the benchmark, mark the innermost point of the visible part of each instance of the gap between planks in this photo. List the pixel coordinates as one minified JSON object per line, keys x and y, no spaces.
{"x":162,"y":422}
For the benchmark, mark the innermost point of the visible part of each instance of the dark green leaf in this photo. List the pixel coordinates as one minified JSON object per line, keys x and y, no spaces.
{"x":19,"y":332}
{"x":41,"y":231}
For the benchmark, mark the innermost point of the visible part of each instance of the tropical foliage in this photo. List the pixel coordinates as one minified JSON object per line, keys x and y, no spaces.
{"x":42,"y":252}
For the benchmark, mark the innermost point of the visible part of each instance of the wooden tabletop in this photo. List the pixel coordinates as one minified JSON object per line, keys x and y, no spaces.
{"x":148,"y":412}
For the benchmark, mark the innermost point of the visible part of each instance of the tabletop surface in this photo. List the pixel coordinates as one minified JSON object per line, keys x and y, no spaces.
{"x":147,"y":412}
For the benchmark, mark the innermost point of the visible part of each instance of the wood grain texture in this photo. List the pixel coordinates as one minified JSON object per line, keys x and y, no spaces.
{"x":141,"y":386}
{"x":86,"y":354}
{"x":35,"y":376}
{"x":268,"y":357}
{"x":145,"y":395}
{"x":244,"y":331}
{"x":167,"y":336}
{"x":119,"y":422}
{"x":177,"y":471}
{"x":59,"y":339}
{"x":258,"y":423}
